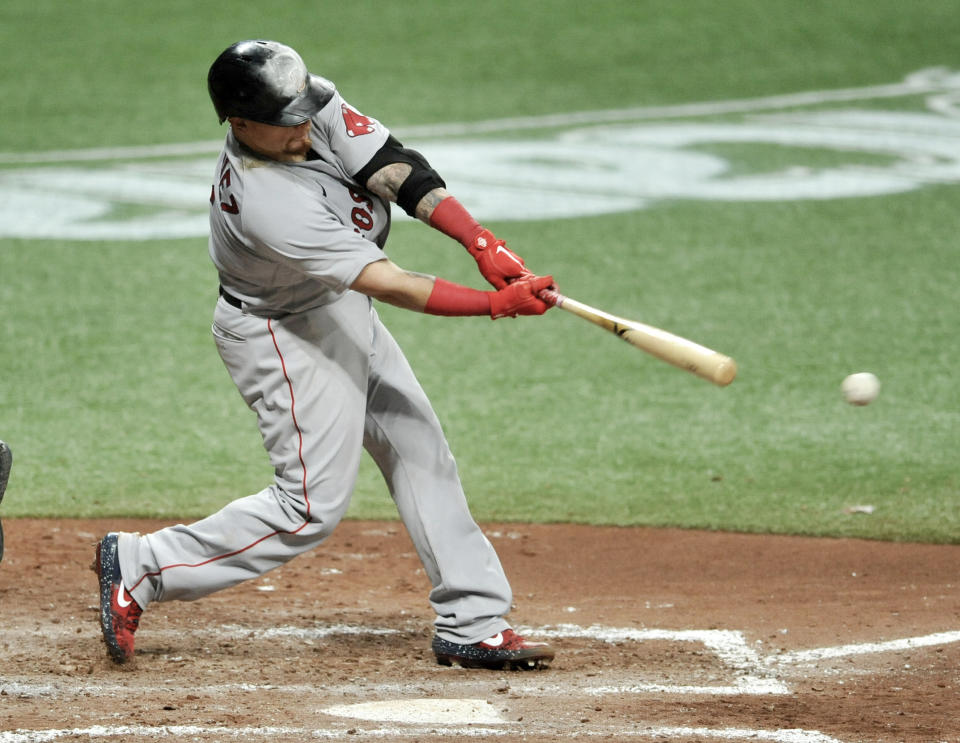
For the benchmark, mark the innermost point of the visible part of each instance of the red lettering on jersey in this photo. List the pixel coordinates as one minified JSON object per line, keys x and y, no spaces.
{"x":357,"y":124}
{"x":360,"y":198}
{"x":231,"y":207}
{"x":362,"y":218}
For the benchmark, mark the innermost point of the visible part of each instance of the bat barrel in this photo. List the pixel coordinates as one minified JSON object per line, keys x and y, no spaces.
{"x":724,"y":372}
{"x":704,"y":362}
{"x":682,"y":353}
{"x":718,"y":369}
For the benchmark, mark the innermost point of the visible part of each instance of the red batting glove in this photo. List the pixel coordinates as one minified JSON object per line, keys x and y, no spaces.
{"x":520,"y":297}
{"x":498,"y":264}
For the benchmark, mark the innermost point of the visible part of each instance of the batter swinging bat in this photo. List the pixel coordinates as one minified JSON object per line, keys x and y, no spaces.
{"x":682,"y":353}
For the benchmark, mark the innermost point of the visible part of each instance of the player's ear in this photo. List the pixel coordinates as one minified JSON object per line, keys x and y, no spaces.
{"x":237,"y":123}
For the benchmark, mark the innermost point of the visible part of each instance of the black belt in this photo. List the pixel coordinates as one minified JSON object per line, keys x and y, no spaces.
{"x":231,"y":299}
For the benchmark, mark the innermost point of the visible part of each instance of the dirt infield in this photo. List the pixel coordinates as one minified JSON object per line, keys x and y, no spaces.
{"x":662,"y":635}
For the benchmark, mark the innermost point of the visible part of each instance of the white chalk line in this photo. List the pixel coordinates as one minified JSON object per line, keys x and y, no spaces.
{"x":844,"y":651}
{"x":750,"y":677}
{"x":751,"y":674}
{"x":443,"y":711}
{"x":233,"y":632}
{"x":304,"y":633}
{"x":931,"y":80}
{"x":729,"y":646}
{"x":195,"y":731}
{"x":61,"y":690}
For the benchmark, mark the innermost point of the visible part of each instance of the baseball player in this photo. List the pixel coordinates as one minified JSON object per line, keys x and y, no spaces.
{"x":299,"y":215}
{"x":6,"y":461}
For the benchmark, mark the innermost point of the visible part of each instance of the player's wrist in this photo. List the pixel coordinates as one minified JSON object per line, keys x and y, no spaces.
{"x":452,"y":219}
{"x":455,"y":300}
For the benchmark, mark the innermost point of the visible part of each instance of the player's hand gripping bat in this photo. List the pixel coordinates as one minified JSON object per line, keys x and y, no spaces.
{"x":685,"y":354}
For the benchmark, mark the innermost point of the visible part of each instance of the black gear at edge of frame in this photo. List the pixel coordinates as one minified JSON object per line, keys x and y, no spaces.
{"x":6,"y":462}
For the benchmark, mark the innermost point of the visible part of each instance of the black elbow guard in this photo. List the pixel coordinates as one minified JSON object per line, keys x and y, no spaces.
{"x":420,"y":182}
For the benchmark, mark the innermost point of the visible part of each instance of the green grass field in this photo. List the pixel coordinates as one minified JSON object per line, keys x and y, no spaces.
{"x":115,"y":402}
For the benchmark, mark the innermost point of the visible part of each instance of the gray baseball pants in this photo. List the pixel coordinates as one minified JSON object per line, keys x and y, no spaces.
{"x":325,"y":383}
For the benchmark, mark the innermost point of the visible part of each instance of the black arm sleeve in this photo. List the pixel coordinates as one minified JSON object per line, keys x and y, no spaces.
{"x":419,"y":183}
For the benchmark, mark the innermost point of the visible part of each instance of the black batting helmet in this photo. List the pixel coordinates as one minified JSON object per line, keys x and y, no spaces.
{"x":265,"y":81}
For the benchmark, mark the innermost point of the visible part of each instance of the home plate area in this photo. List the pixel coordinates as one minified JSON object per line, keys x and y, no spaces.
{"x":660,"y":635}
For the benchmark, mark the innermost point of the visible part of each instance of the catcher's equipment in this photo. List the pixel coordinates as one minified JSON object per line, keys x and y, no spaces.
{"x":6,"y":461}
{"x":265,"y":81}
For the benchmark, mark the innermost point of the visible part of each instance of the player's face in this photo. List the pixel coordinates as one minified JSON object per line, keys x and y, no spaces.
{"x":288,"y":144}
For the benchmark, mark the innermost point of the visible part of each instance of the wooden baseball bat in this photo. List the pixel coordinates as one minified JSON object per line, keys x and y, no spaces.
{"x":682,"y":353}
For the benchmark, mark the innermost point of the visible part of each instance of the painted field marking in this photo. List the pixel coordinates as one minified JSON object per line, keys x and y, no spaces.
{"x":195,"y":731}
{"x":730,"y":647}
{"x":235,"y":631}
{"x":777,"y":736}
{"x":476,"y":718}
{"x":752,"y":674}
{"x":577,"y":164}
{"x":931,"y":80}
{"x":220,"y":732}
{"x":422,"y":711}
{"x":844,"y":651}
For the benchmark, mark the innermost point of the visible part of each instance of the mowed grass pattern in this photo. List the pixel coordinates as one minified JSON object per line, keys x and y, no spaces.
{"x":115,"y":403}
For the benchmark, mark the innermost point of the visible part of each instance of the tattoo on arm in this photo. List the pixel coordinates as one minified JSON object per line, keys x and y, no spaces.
{"x":429,"y":202}
{"x":386,"y":182}
{"x":418,"y":275}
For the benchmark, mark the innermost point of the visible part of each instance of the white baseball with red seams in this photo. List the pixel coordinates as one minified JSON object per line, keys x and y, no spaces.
{"x":861,"y":388}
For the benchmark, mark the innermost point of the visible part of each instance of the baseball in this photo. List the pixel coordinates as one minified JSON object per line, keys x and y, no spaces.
{"x":861,"y":388}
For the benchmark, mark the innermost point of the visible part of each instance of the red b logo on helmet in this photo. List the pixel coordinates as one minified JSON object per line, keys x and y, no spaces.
{"x":357,"y":123}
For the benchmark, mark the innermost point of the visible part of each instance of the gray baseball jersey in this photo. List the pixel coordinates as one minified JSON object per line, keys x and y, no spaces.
{"x":326,"y":379}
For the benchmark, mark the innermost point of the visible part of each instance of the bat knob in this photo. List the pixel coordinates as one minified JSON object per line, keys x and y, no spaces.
{"x":551,"y":297}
